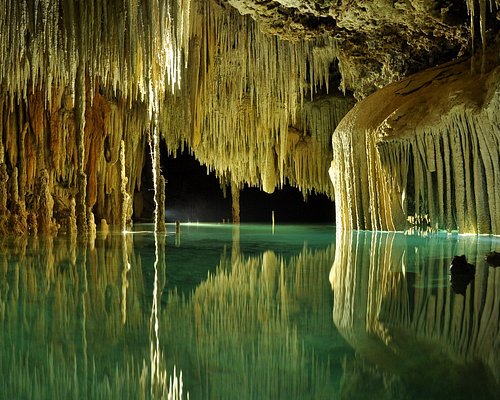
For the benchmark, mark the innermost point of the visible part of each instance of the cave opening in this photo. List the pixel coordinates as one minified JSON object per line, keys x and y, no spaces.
{"x":195,"y":195}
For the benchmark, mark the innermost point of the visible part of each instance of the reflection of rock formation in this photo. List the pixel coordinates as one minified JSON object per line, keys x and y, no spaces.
{"x":92,"y":320}
{"x":493,"y":258}
{"x":393,"y":303}
{"x":73,"y":321}
{"x":461,"y":274}
{"x":250,"y":322}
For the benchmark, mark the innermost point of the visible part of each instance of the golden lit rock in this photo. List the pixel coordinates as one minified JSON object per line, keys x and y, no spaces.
{"x":425,"y":150}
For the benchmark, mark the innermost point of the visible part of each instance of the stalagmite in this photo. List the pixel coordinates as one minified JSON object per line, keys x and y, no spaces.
{"x":422,"y":151}
{"x":18,"y":216}
{"x":4,"y":178}
{"x":45,"y":205}
{"x":158,"y":181}
{"x":71,"y":223}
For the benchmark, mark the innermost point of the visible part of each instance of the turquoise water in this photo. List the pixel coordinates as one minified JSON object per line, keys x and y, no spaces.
{"x":219,"y":312}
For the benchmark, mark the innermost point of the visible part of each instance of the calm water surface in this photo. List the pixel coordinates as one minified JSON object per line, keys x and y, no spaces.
{"x":219,"y":312}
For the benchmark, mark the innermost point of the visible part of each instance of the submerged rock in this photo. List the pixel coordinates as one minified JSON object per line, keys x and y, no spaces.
{"x":493,"y":258}
{"x":461,"y":274}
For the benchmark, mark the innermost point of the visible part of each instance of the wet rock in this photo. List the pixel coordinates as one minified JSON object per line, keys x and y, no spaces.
{"x":493,"y":258}
{"x":461,"y":274}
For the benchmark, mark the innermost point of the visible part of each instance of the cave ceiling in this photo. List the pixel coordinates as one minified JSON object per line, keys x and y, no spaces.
{"x":379,"y":41}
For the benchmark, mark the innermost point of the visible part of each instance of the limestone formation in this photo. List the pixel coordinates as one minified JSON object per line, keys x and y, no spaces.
{"x":424,"y":150}
{"x":378,"y":41}
{"x":253,"y":89}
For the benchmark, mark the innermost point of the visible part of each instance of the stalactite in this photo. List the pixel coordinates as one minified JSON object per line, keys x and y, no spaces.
{"x":242,"y":113}
{"x":79,"y":77}
{"x":431,"y":153}
{"x":480,"y":5}
{"x":123,"y":43}
{"x":158,"y":181}
{"x":126,"y":207}
{"x":160,"y":198}
{"x":80,"y":100}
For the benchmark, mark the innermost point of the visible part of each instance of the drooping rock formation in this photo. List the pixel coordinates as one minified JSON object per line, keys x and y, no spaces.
{"x":79,"y":78}
{"x":254,"y":97}
{"x":426,"y":150}
{"x":378,"y":41}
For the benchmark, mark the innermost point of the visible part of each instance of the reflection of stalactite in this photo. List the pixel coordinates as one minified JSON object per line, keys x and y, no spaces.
{"x":392,"y":298}
{"x":84,"y":307}
{"x":81,"y":318}
{"x":251,"y":316}
{"x":67,"y":315}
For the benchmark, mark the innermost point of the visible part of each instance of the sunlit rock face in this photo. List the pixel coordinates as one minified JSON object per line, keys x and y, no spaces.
{"x":379,"y":41}
{"x":423,"y":151}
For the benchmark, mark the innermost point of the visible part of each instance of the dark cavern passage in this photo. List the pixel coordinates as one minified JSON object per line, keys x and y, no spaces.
{"x":193,"y":195}
{"x":252,"y":199}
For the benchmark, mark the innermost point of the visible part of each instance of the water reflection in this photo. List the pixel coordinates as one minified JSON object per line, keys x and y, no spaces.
{"x":93,"y":319}
{"x":415,"y":337}
{"x":251,"y":317}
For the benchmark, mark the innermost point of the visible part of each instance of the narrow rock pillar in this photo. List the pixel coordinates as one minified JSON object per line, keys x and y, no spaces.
{"x":235,"y":197}
{"x":126,"y":202}
{"x":81,"y":209}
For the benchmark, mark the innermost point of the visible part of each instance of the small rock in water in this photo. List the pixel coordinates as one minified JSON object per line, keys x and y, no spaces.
{"x":493,"y":258}
{"x":459,"y":265}
{"x":462,"y":273}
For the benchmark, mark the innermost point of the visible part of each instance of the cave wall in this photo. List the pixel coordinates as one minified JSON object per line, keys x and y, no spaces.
{"x":39,"y":141}
{"x":379,"y":41}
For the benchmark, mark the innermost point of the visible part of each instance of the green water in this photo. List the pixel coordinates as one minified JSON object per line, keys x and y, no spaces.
{"x":217,"y":312}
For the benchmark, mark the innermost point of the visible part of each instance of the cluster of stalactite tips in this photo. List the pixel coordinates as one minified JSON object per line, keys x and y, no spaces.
{"x":89,"y":88}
